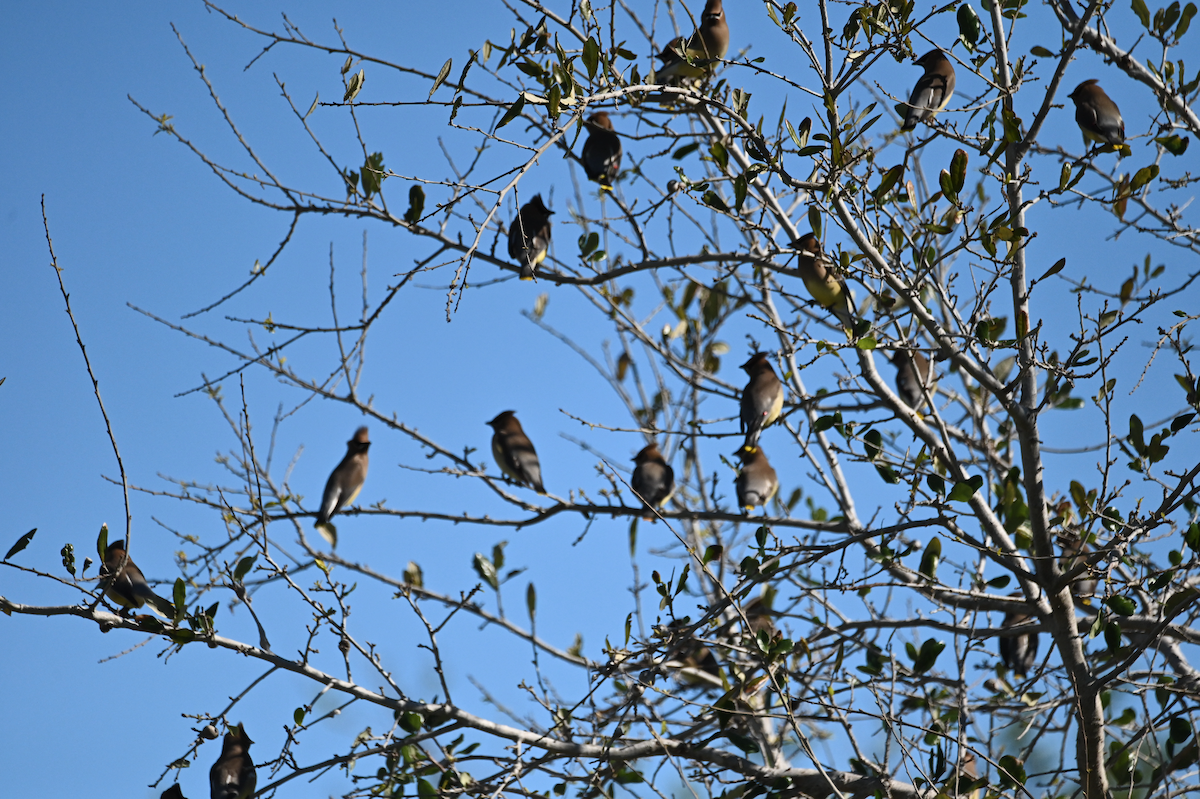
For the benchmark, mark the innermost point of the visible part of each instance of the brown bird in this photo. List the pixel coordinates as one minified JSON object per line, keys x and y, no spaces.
{"x":529,"y":236}
{"x":514,"y":452}
{"x":602,"y":151}
{"x":233,"y":775}
{"x":1018,"y":652}
{"x":756,"y":483}
{"x":762,"y":398}
{"x":1098,"y":117}
{"x":1074,"y":552}
{"x":699,"y":55}
{"x":821,"y":278}
{"x":912,"y":377}
{"x":653,"y":479}
{"x":933,"y":90}
{"x":966,"y":775}
{"x":128,"y":588}
{"x":347,"y":478}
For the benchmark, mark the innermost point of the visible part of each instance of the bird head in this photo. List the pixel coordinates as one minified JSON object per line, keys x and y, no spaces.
{"x":758,"y":362}
{"x":599,"y":120}
{"x":502,"y":420}
{"x":931,"y":59}
{"x":648,"y":453}
{"x":808,"y":242}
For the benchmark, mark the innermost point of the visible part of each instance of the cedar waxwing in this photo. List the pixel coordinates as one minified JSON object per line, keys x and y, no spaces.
{"x":933,"y":89}
{"x":756,"y":483}
{"x":233,"y":775}
{"x":174,"y":792}
{"x":967,"y":774}
{"x":653,"y":479}
{"x":912,"y":377}
{"x":762,"y":398}
{"x":1098,"y":116}
{"x":602,"y":151}
{"x":129,"y":588}
{"x":1074,"y":551}
{"x":347,"y":478}
{"x":1018,"y":652}
{"x":514,"y":452}
{"x":821,"y":278}
{"x":706,"y":45}
{"x":529,"y":236}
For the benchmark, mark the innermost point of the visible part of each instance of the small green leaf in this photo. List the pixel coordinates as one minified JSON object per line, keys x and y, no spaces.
{"x":354,"y":86}
{"x":243,"y":568}
{"x":931,"y":557}
{"x":969,"y":26}
{"x":1121,"y":605}
{"x":441,"y":76}
{"x":1054,"y":270}
{"x":102,"y":542}
{"x":298,"y":716}
{"x":713,"y":552}
{"x":22,"y":542}
{"x":531,"y":600}
{"x":512,"y":113}
{"x":1041,"y":52}
{"x":965,"y":490}
{"x":411,"y":722}
{"x":1143,"y":13}
{"x":1175,"y":145}
{"x":486,"y":571}
{"x":1143,"y":177}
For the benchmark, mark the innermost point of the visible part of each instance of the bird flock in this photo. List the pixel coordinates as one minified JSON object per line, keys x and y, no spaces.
{"x":653,"y":482}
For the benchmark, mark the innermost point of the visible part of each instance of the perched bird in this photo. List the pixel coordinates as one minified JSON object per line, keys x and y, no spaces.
{"x":762,"y":398}
{"x":653,"y":479}
{"x":965,"y":776}
{"x":514,"y":452}
{"x":233,"y":775}
{"x":126,"y":585}
{"x":821,"y":279}
{"x":912,"y":377}
{"x":1098,"y":117}
{"x":706,"y":45}
{"x":174,"y":792}
{"x":529,"y":236}
{"x":347,"y":479}
{"x":933,"y":89}
{"x":1018,"y":652}
{"x":756,"y":483}
{"x":602,"y":151}
{"x":696,"y":657}
{"x":1074,"y":552}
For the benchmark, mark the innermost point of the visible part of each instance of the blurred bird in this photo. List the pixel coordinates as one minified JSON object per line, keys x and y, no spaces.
{"x":821,"y":279}
{"x":233,"y":775}
{"x":653,"y":479}
{"x":756,"y":483}
{"x":1074,"y":552}
{"x":347,"y":478}
{"x":174,"y":792}
{"x":966,"y":775}
{"x":707,"y":45}
{"x":1018,"y":652}
{"x":762,"y":398}
{"x":602,"y":151}
{"x":529,"y":236}
{"x":514,"y":452}
{"x":912,"y":377}
{"x":1098,"y":117}
{"x":697,"y":658}
{"x":933,"y":90}
{"x":126,"y":585}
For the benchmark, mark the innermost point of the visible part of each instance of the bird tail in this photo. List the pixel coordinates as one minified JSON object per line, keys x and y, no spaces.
{"x":161,"y":605}
{"x":526,"y":271}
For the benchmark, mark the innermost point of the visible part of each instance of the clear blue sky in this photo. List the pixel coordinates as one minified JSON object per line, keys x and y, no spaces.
{"x":137,"y":220}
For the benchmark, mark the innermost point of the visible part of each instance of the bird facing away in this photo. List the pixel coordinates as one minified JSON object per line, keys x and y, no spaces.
{"x":347,"y":478}
{"x":529,"y":236}
{"x":1018,"y":652}
{"x":1098,"y":117}
{"x":126,"y":585}
{"x":708,"y":44}
{"x":933,"y":90}
{"x":514,"y":452}
{"x":233,"y":775}
{"x":821,"y":279}
{"x":653,"y":479}
{"x":762,"y":399}
{"x":912,"y":377}
{"x":1074,"y":552}
{"x":756,"y":483}
{"x":602,"y":151}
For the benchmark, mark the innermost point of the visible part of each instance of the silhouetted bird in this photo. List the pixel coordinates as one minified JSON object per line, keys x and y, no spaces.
{"x":529,"y":236}
{"x":126,"y":585}
{"x":347,"y":477}
{"x":233,"y":775}
{"x":653,"y":479}
{"x":602,"y":151}
{"x":514,"y":452}
{"x":933,"y":90}
{"x":1098,"y":117}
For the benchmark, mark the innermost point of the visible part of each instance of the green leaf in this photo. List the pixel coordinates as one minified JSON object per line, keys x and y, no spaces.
{"x":685,"y":151}
{"x":931,"y":557}
{"x":179,"y":598}
{"x":441,"y":76}
{"x":243,"y":568}
{"x":1175,"y":145}
{"x":411,"y":722}
{"x":298,"y":716}
{"x":486,"y":571}
{"x":713,"y":552}
{"x":873,"y":442}
{"x":373,"y":174}
{"x":591,"y":57}
{"x":1181,"y":730}
{"x":1041,"y":52}
{"x":531,"y":600}
{"x":719,"y":154}
{"x":102,"y":542}
{"x":1121,"y":605}
{"x":513,"y":112}
{"x":969,"y":26}
{"x":958,"y":169}
{"x":713,"y":200}
{"x":68,"y":558}
{"x":1054,"y":270}
{"x":1143,"y":13}
{"x":965,"y":490}
{"x":927,"y":657}
{"x":354,"y":86}
{"x":1185,"y":20}
{"x":1143,"y":176}
{"x":889,"y":180}
{"x":22,"y":542}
